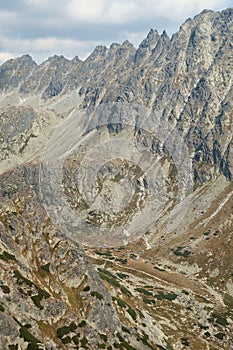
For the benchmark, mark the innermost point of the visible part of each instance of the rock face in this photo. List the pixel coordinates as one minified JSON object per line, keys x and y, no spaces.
{"x":166,"y":290}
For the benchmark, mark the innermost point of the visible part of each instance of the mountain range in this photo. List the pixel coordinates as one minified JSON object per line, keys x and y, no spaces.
{"x":160,"y":116}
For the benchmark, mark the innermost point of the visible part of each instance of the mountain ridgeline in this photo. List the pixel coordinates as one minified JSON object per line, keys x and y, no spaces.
{"x":186,"y":79}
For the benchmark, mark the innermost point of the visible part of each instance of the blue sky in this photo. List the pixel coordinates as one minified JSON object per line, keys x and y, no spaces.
{"x":71,"y":28}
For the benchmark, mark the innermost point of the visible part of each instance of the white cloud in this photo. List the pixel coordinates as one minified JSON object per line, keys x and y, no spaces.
{"x":74,"y":27}
{"x":119,"y":11}
{"x":84,"y":11}
{"x":4,"y":56}
{"x":42,"y":48}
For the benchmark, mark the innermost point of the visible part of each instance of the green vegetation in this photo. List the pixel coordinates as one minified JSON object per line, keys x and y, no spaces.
{"x":97,"y":295}
{"x":207,"y":334}
{"x":72,"y":326}
{"x":103,"y":337}
{"x":35,"y":298}
{"x":159,"y":269}
{"x":228,"y":300}
{"x":206,"y":233}
{"x":120,"y":302}
{"x":99,"y":253}
{"x":62,"y":331}
{"x":122,"y":275}
{"x":28,"y":337}
{"x":123,"y":261}
{"x":144,"y":291}
{"x":126,"y":330}
{"x":169,"y":296}
{"x":76,"y":339}
{"x":2,"y":309}
{"x":86,"y":289}
{"x":220,"y":319}
{"x":109,"y":279}
{"x":7,"y":256}
{"x":84,"y":342}
{"x":132,"y":313}
{"x":66,"y":340}
{"x":123,"y":343}
{"x":106,"y":272}
{"x":126,"y":291}
{"x":45,"y":267}
{"x":144,"y":340}
{"x":5,"y":289}
{"x":148,"y":301}
{"x":65,"y":330}
{"x":83,"y":323}
{"x":118,"y":177}
{"x":219,"y":335}
{"x":184,"y":341}
{"x":180,"y":252}
{"x":39,"y":297}
{"x":22,"y":280}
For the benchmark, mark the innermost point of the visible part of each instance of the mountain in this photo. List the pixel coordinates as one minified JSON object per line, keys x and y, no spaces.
{"x":116,"y":194}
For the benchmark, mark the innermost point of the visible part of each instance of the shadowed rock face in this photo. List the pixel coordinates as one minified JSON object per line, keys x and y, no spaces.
{"x":171,"y":289}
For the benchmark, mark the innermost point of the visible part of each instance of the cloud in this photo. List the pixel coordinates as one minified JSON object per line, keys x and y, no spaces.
{"x":128,"y":11}
{"x":42,"y":48}
{"x":4,"y":56}
{"x":74,"y":27}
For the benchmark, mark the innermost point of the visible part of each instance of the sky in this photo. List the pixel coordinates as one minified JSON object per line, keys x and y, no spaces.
{"x":43,"y":28}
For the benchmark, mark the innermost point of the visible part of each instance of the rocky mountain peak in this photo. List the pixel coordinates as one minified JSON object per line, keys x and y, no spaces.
{"x":127,"y":44}
{"x":99,"y":53}
{"x":165,"y":36}
{"x":151,"y":40}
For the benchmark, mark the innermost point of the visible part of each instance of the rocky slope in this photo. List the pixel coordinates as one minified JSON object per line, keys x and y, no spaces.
{"x":172,"y":287}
